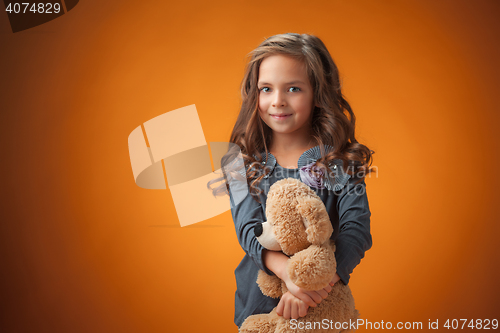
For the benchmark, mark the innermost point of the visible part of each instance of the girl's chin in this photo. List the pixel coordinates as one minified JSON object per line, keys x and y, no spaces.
{"x":282,"y":130}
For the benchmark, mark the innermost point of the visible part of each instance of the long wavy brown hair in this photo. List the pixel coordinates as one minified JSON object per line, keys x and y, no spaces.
{"x":333,"y":121}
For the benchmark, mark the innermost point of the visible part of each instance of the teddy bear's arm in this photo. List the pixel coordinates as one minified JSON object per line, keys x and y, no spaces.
{"x":269,"y":285}
{"x":312,"y":268}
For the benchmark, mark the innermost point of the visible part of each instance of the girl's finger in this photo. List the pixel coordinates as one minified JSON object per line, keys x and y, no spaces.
{"x":316,"y":297}
{"x":295,"y":309}
{"x":303,"y":309}
{"x":306,"y":298}
{"x":280,"y":307}
{"x":322,"y":293}
{"x":334,"y":280}
{"x":286,"y":310}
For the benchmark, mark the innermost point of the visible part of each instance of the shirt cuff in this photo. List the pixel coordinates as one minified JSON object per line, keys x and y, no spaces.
{"x":345,"y":264}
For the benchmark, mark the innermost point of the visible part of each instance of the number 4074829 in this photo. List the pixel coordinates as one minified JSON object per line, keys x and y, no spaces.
{"x":35,"y":8}
{"x":484,"y":324}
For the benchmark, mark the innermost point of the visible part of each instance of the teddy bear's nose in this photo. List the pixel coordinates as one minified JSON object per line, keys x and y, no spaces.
{"x":258,"y":229}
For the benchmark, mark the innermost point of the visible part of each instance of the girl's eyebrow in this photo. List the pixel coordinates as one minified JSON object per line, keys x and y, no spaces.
{"x":287,"y":83}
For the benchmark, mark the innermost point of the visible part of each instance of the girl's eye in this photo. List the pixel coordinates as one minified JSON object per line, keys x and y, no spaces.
{"x":264,"y":89}
{"x":291,"y":89}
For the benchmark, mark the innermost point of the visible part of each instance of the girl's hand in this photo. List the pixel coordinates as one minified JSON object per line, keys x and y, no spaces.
{"x":310,"y":297}
{"x":277,"y":262}
{"x":290,"y":307}
{"x":336,"y":278}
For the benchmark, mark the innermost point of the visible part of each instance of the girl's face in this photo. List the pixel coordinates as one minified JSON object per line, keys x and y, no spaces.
{"x":286,"y":98}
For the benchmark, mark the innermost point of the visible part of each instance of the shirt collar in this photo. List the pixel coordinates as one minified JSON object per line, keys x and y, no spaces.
{"x":335,"y":183}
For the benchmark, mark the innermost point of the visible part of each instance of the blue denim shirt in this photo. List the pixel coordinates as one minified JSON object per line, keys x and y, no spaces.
{"x":347,"y":204}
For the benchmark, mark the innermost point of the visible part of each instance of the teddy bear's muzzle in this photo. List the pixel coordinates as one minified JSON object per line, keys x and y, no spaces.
{"x":265,"y":236}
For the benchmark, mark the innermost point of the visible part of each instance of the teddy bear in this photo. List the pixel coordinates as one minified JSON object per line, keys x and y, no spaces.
{"x":299,"y":226}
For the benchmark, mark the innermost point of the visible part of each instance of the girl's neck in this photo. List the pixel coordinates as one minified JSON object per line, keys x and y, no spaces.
{"x":288,"y":143}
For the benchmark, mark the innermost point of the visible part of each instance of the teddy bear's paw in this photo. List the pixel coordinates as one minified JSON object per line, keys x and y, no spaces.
{"x":269,"y":285}
{"x":259,"y":323}
{"x":312,"y":268}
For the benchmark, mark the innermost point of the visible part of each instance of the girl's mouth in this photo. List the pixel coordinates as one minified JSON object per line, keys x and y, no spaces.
{"x":280,"y":116}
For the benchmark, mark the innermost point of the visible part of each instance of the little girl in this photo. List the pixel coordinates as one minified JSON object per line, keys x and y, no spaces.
{"x":294,"y":122}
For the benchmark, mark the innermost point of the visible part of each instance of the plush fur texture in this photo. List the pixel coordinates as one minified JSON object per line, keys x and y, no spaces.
{"x":300,"y":224}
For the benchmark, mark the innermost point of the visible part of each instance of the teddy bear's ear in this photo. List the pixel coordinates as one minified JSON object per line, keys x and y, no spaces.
{"x":316,"y":219}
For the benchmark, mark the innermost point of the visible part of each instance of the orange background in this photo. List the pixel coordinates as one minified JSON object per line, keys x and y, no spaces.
{"x":86,"y":250}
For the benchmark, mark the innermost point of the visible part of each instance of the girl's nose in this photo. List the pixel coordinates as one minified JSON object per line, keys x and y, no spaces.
{"x":279,"y":100}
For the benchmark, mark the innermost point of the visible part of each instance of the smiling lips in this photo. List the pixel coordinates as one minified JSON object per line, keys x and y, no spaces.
{"x":280,"y":116}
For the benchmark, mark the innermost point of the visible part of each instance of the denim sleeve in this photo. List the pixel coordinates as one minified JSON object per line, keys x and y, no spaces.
{"x":245,"y":215}
{"x":354,"y":236}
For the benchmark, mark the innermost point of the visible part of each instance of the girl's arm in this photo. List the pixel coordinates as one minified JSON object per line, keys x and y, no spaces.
{"x":354,"y":237}
{"x":277,"y":263}
{"x":246,"y":214}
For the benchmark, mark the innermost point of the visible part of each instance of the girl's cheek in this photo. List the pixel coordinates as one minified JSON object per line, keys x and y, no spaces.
{"x":262,"y":104}
{"x":261,"y":113}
